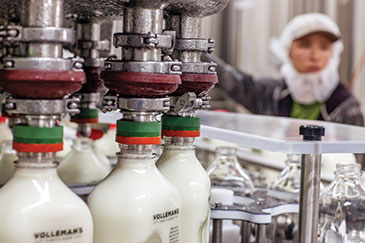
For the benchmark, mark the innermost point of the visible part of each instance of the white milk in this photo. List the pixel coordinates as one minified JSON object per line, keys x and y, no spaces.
{"x":7,"y":159}
{"x":107,"y":144}
{"x":82,"y":166}
{"x":37,"y":207}
{"x":5,"y":133}
{"x":181,"y":167}
{"x":135,"y":204}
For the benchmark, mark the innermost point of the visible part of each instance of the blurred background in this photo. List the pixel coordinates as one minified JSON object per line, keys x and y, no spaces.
{"x":244,"y":29}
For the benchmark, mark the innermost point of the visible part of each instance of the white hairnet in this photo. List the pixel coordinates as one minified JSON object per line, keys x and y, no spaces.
{"x":310,"y":87}
{"x":302,"y":25}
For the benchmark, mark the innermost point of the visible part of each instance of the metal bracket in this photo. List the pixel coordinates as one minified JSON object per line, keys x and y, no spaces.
{"x":188,"y":103}
{"x":43,"y":63}
{"x":142,"y":40}
{"x":15,"y":106}
{"x":168,"y":67}
{"x":199,"y":67}
{"x":88,"y":100}
{"x":203,"y":45}
{"x":113,"y":102}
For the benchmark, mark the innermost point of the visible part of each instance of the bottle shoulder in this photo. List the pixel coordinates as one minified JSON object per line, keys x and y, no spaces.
{"x":38,"y":194}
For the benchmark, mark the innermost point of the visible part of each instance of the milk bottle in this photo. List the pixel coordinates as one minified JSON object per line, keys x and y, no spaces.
{"x":82,"y":166}
{"x":5,"y":132}
{"x":136,"y":203}
{"x":180,"y":166}
{"x":35,"y":205}
{"x":7,"y":159}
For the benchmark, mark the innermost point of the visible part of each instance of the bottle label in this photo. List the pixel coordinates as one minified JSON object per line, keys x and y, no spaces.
{"x":174,"y":234}
{"x":61,"y":235}
{"x":166,"y":216}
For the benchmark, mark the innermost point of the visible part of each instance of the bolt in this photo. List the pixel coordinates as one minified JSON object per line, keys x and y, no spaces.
{"x":72,"y":105}
{"x":107,"y":65}
{"x":211,"y":40}
{"x":78,"y":65}
{"x":9,"y":106}
{"x":9,"y":64}
{"x":212,"y":69}
{"x":13,"y":33}
{"x":175,"y":68}
{"x":210,"y":49}
{"x":260,"y":201}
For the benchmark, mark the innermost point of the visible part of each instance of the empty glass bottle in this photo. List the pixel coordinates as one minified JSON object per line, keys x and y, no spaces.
{"x":342,"y":207}
{"x":283,"y":228}
{"x":289,"y":178}
{"x":226,"y":172}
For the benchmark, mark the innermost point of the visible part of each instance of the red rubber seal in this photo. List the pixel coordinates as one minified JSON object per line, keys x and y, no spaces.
{"x":132,"y":84}
{"x":95,"y":134}
{"x":37,"y":148}
{"x":186,"y":134}
{"x":3,"y":119}
{"x":200,"y":84}
{"x":138,"y":140}
{"x":41,"y":84}
{"x":84,"y":121}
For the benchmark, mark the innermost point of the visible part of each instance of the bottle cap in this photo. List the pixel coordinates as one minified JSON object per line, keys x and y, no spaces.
{"x":37,"y":139}
{"x":175,"y":126}
{"x":86,"y":116}
{"x":133,"y":132}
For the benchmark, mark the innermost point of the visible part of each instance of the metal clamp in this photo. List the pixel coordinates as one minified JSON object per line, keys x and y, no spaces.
{"x":142,"y":40}
{"x":203,"y":45}
{"x":102,"y":45}
{"x":94,"y":62}
{"x":188,"y":103}
{"x":43,"y":63}
{"x":113,"y":102}
{"x":199,"y":67}
{"x":48,"y":34}
{"x":144,"y":104}
{"x":88,"y":100}
{"x":168,"y":67}
{"x":15,"y":106}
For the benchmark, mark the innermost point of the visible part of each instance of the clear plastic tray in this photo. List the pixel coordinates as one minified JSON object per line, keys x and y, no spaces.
{"x":280,"y":134}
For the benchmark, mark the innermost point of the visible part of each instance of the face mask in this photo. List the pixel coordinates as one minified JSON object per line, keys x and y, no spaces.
{"x":313,"y":87}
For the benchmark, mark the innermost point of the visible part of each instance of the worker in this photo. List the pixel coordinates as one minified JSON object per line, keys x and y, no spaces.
{"x":309,"y":48}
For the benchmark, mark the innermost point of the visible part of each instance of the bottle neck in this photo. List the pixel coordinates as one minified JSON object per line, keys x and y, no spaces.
{"x":227,"y":153}
{"x":348,"y":171}
{"x":83,"y":144}
{"x":293,"y":161}
{"x":36,"y":160}
{"x":179,"y":143}
{"x":137,"y":151}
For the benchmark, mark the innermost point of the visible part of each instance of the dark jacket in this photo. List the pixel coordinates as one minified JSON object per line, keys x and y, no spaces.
{"x":271,"y":97}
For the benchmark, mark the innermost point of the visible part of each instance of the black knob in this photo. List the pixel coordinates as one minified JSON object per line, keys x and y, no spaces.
{"x":311,"y":132}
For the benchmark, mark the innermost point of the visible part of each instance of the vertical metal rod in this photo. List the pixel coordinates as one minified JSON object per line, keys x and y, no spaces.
{"x":260,"y":233}
{"x":217,"y":231}
{"x":245,"y":232}
{"x":309,"y":197}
